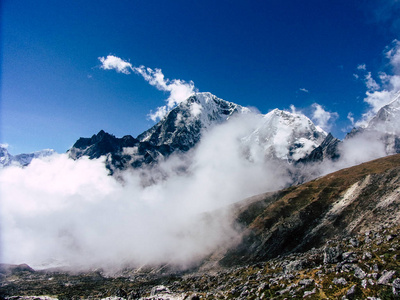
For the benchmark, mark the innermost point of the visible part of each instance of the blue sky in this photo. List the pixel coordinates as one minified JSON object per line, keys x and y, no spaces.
{"x":264,"y":54}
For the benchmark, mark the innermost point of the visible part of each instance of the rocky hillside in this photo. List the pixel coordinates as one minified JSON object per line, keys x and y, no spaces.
{"x":364,"y":266}
{"x":350,"y":201}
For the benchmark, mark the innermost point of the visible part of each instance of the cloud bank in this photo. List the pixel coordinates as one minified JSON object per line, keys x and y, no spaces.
{"x":179,"y":90}
{"x":66,"y":212}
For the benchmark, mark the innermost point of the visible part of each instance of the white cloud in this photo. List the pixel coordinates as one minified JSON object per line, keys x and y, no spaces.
{"x":380,"y":94}
{"x":112,"y":62}
{"x":323,"y":118}
{"x":179,"y":90}
{"x":304,"y":90}
{"x":371,"y":84}
{"x":350,"y":117}
{"x":393,"y":54}
{"x":362,"y":67}
{"x":73,"y":212}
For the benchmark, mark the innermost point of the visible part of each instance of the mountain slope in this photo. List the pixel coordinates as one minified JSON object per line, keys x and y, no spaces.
{"x":285,"y":135}
{"x":120,"y":152}
{"x":349,"y":201}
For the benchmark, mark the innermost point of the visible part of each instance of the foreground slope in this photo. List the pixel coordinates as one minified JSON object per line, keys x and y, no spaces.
{"x":350,"y":201}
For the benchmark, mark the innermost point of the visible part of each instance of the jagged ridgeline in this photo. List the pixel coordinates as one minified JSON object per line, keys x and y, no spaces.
{"x":280,"y":134}
{"x":179,"y":131}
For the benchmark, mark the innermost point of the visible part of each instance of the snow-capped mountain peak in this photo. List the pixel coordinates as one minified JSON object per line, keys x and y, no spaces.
{"x":182,"y":127}
{"x":387,"y":119}
{"x":285,"y":135}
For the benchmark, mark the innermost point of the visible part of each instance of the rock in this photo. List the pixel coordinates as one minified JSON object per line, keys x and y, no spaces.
{"x":364,"y":283}
{"x":386,"y":277}
{"x":390,"y":237}
{"x":359,"y":273}
{"x":396,"y":287}
{"x":306,"y":282}
{"x":294,"y":266}
{"x":332,"y":254}
{"x":121,"y":293}
{"x":351,"y":292}
{"x":341,"y":280}
{"x":375,"y":268}
{"x":349,"y":256}
{"x":308,"y":293}
{"x":367,"y":255}
{"x":159,"y":289}
{"x":281,"y":292}
{"x":355,"y":242}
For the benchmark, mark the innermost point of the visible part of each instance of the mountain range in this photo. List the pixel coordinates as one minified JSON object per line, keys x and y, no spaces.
{"x":290,"y":138}
{"x":279,"y":134}
{"x":22,"y":160}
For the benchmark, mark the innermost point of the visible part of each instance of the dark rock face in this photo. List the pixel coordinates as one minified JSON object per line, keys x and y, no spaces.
{"x":327,"y":150}
{"x":100,"y":144}
{"x":120,"y":152}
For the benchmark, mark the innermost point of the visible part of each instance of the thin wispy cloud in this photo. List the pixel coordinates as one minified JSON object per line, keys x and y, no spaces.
{"x":179,"y":90}
{"x":304,"y":90}
{"x":322,"y":118}
{"x":386,"y":12}
{"x":350,"y":117}
{"x":362,"y":67}
{"x":370,"y":82}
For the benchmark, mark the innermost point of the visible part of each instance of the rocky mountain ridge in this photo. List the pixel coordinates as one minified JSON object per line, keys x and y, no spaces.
{"x":277,"y":135}
{"x":384,"y":127}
